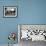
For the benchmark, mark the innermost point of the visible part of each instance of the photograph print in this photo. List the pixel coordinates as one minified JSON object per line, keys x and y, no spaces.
{"x":10,"y":11}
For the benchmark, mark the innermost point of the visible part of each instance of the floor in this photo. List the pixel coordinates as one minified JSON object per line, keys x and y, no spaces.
{"x":30,"y":43}
{"x":7,"y":45}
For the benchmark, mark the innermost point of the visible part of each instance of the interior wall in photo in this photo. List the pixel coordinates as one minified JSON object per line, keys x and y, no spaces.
{"x":29,"y":12}
{"x":7,"y":25}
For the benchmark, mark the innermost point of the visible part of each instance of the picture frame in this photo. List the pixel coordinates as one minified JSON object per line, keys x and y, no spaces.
{"x":37,"y":29}
{"x":10,"y":11}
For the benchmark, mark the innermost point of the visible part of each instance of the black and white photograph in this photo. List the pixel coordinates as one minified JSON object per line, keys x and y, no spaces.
{"x":10,"y":11}
{"x":29,"y":34}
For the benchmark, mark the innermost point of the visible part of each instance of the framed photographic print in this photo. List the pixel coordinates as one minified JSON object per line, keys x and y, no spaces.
{"x":33,"y":32}
{"x":10,"y":11}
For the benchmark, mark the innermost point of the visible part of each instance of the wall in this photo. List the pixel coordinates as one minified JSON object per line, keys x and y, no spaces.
{"x":32,"y":11}
{"x":29,"y":12}
{"x":7,"y":25}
